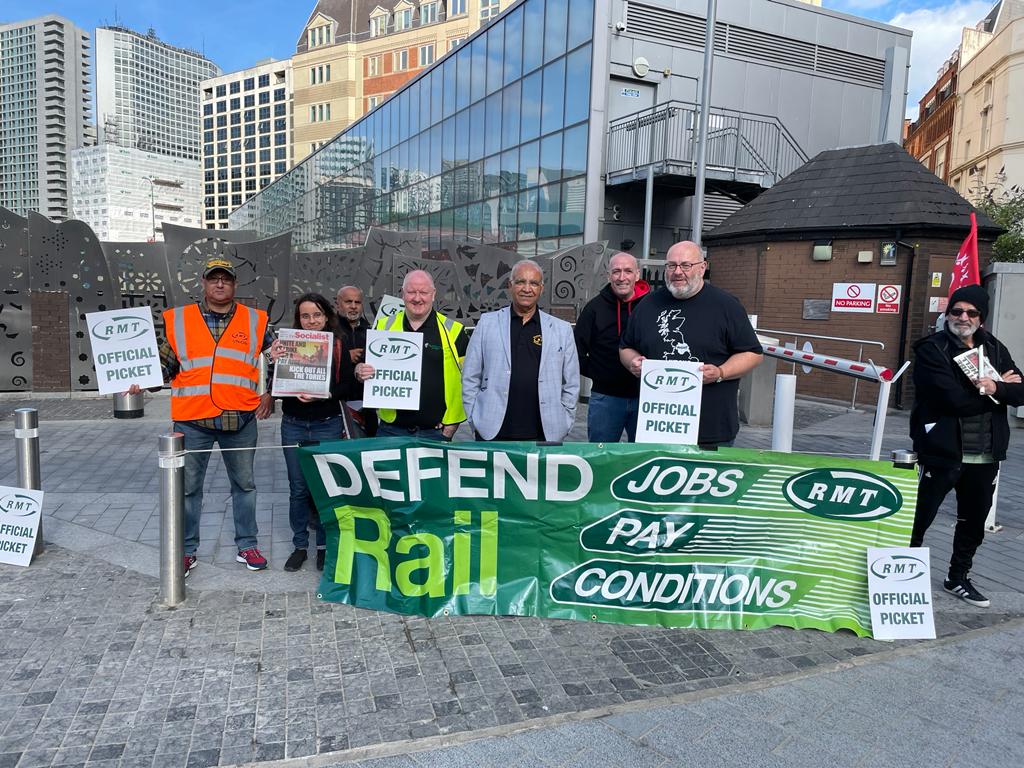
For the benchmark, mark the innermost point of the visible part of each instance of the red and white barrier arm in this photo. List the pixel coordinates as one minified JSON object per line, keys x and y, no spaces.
{"x":868,"y":371}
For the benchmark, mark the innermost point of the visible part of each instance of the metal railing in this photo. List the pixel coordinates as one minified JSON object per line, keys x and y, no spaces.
{"x":742,"y":146}
{"x":797,"y":336}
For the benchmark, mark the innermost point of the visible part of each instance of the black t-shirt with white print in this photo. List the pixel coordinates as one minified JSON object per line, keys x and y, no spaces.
{"x":709,"y":327}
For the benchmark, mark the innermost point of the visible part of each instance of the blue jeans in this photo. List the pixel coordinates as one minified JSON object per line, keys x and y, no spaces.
{"x":239,"y":467}
{"x":608,"y":415}
{"x":301,"y":511}
{"x":390,"y":430}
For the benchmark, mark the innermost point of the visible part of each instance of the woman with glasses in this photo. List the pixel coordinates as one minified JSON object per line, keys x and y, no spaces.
{"x":307,"y":419}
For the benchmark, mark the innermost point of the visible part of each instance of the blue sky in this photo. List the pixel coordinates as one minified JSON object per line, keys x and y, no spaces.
{"x":236,"y":34}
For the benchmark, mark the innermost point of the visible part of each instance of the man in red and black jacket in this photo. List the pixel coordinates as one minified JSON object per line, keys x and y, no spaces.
{"x":615,"y":396}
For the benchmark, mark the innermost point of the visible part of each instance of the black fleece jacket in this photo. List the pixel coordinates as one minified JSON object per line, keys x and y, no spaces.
{"x":598,"y":330}
{"x":944,"y":395}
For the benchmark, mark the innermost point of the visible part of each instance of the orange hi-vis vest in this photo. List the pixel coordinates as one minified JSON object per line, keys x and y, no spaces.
{"x":215,"y":376}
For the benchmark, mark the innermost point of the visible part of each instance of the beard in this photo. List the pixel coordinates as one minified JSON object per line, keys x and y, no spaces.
{"x":684,"y":291}
{"x":964,"y":332}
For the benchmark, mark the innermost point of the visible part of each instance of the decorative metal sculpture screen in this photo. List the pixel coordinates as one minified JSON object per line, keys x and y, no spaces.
{"x":37,"y":255}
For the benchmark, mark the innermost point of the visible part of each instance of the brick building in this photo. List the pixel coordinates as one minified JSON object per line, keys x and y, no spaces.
{"x":930,"y":137}
{"x":871,"y":216}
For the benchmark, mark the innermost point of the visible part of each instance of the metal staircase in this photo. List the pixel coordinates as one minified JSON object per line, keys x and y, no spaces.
{"x":744,"y":150}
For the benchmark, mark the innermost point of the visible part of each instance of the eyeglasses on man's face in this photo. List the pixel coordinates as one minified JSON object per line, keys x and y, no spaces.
{"x":971,"y":313}
{"x":683,"y":266}
{"x":221,"y":279}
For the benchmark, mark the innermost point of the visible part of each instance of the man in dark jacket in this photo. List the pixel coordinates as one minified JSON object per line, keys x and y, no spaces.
{"x":349,"y":303}
{"x":615,"y":395}
{"x":960,"y":430}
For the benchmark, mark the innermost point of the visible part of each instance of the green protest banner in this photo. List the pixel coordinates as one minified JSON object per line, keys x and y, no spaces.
{"x":633,"y":534}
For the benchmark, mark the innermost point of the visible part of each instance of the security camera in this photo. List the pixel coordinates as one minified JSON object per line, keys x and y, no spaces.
{"x":620,"y":26}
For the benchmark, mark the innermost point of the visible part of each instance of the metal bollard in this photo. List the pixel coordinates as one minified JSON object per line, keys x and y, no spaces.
{"x":26,"y":445}
{"x":785,"y":407}
{"x":172,"y":518}
{"x":127,"y":406}
{"x":904,"y":459}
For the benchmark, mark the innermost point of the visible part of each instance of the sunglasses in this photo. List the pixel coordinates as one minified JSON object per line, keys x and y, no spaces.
{"x":971,"y":313}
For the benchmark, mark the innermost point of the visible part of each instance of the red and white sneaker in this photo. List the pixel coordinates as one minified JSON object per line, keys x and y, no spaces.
{"x":191,"y":561}
{"x":252,"y":558}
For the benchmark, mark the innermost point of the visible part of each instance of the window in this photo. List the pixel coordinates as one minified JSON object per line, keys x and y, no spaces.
{"x":372,"y":66}
{"x":985,"y":125}
{"x":264,"y":81}
{"x":234,"y":87}
{"x":222,"y":91}
{"x":401,"y":60}
{"x":403,"y":19}
{"x":250,"y":83}
{"x":426,"y":55}
{"x":379,"y":25}
{"x":456,"y":7}
{"x":986,"y":97}
{"x":455,"y":42}
{"x":428,"y":13}
{"x":488,"y":9}
{"x":373,"y":102}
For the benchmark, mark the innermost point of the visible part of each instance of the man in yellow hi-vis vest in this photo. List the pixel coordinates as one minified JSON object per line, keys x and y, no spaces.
{"x":444,"y":347}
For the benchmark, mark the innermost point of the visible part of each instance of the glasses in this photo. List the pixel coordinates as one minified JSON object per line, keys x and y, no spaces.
{"x":971,"y":313}
{"x":314,"y":316}
{"x":222,"y":279}
{"x":682,"y":267}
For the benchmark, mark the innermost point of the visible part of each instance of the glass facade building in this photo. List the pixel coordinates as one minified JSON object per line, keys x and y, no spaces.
{"x":488,"y":145}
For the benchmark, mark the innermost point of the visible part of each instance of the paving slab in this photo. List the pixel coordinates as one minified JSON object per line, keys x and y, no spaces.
{"x":254,"y":669}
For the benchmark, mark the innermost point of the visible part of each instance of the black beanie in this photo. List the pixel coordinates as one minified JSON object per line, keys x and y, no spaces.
{"x":972,"y":294}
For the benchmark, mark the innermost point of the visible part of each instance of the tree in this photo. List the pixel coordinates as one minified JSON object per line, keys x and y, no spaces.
{"x":1005,"y":206}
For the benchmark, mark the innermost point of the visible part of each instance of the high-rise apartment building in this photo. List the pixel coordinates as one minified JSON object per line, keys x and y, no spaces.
{"x":126,"y":194}
{"x":147,"y":92}
{"x":45,"y":112}
{"x":353,"y":54}
{"x":247,"y":128}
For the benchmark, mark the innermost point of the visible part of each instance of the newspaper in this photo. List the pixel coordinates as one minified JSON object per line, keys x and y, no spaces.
{"x":305,"y":366}
{"x":975,"y":365}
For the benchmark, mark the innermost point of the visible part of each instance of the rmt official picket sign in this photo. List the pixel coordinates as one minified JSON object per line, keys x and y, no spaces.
{"x":124,"y":349}
{"x":20,"y":510}
{"x":397,"y":360}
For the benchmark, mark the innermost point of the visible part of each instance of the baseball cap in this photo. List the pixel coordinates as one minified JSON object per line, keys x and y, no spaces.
{"x":218,"y":263}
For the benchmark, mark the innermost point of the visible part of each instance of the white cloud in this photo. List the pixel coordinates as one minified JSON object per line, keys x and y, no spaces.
{"x":937,"y":33}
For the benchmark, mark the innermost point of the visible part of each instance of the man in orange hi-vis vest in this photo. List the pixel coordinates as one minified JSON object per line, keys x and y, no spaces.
{"x":211,"y":359}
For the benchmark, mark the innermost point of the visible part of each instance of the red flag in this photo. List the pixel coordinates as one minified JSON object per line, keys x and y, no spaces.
{"x":965,"y":268}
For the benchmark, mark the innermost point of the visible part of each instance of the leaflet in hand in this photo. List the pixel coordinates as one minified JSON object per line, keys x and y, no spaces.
{"x":305,"y":366}
{"x":969,"y":364}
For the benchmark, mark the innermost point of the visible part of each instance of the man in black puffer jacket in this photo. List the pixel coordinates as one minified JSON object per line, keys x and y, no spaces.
{"x":960,"y":430}
{"x":615,"y":396}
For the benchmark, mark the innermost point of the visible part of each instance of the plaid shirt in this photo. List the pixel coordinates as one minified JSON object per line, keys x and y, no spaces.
{"x":228,"y":421}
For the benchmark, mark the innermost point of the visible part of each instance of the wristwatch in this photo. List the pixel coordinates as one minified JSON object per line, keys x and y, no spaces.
{"x":720,"y":379}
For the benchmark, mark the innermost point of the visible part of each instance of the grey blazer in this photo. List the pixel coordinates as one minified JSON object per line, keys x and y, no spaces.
{"x":488,"y":367}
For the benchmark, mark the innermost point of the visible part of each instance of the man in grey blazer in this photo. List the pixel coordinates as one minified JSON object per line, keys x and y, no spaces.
{"x":521,"y":376}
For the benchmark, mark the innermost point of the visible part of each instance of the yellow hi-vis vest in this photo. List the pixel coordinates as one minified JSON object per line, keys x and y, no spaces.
{"x":215,"y":376}
{"x":454,"y":413}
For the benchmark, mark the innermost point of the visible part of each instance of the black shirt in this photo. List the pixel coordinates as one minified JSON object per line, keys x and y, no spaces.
{"x":709,"y":327}
{"x":522,"y":414}
{"x":432,"y":403}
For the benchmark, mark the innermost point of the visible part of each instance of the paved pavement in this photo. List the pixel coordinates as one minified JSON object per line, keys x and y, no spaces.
{"x":254,"y":668}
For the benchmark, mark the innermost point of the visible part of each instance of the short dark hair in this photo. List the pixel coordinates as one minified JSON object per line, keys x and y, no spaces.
{"x":331,"y":317}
